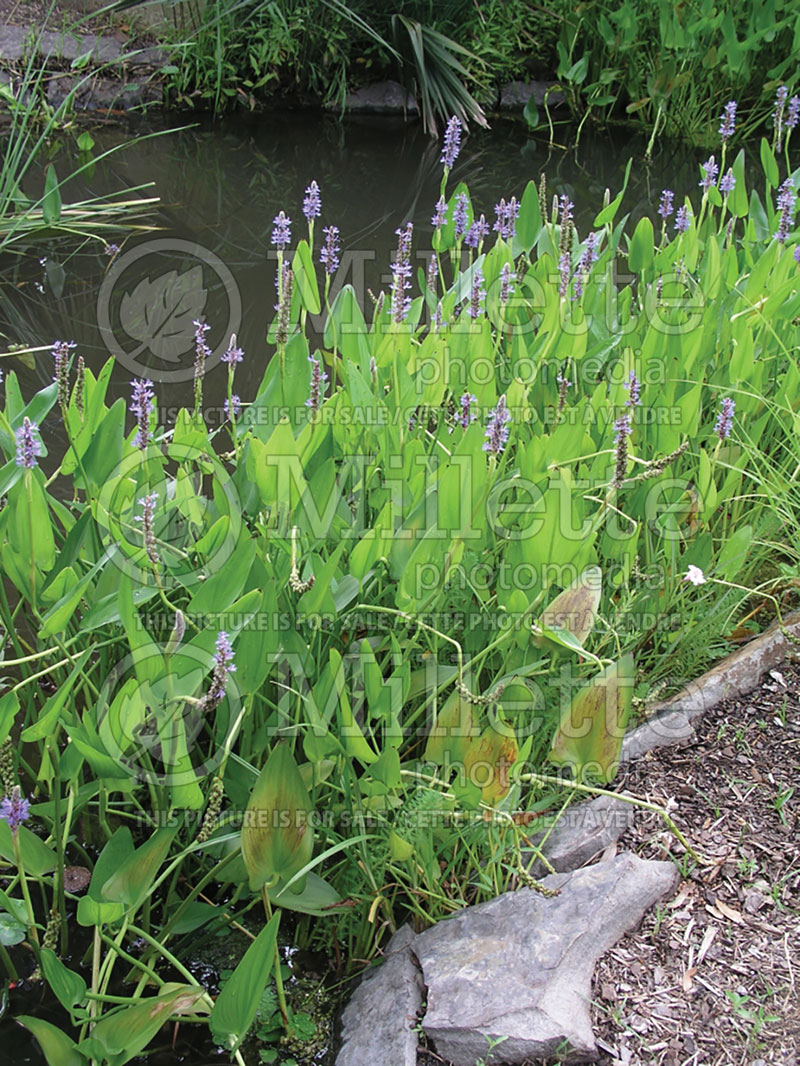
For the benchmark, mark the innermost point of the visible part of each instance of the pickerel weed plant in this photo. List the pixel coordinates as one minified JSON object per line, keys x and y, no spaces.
{"x":318,"y":659}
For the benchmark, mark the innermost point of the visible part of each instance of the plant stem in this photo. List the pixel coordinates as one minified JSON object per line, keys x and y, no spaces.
{"x":278,"y":978}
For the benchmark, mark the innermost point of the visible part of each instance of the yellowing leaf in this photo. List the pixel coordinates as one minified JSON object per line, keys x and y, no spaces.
{"x":574,"y":610}
{"x":488,"y":761}
{"x":589,"y":736}
{"x":452,"y":733}
{"x":277,"y":839}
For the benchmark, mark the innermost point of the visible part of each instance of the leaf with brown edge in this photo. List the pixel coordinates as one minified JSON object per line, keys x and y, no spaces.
{"x":277,"y":838}
{"x":488,"y":761}
{"x":589,"y":735}
{"x":574,"y":610}
{"x":452,"y":733}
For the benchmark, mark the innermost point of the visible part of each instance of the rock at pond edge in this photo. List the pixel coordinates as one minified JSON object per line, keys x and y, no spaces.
{"x":521,"y":965}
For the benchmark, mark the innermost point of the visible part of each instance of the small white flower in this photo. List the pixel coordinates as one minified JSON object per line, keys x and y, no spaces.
{"x":695,"y":575}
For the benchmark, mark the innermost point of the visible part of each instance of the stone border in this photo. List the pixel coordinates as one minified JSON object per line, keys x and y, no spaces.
{"x":736,"y":675}
{"x":586,"y":830}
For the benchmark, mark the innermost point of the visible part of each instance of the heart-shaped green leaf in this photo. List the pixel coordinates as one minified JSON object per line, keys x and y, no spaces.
{"x":277,"y":839}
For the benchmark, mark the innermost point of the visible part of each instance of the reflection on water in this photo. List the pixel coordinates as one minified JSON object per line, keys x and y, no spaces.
{"x":221,"y":186}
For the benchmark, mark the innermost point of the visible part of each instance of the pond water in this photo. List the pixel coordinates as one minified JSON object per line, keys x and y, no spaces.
{"x":220,"y":187}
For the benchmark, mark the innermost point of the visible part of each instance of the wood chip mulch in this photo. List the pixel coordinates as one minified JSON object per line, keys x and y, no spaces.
{"x":712,"y":976}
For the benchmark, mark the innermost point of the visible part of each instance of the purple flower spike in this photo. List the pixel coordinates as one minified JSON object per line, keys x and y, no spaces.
{"x":587,"y":260}
{"x":682,"y":220}
{"x":666,"y":206}
{"x":460,"y":215}
{"x":467,"y":415}
{"x":634,"y":387}
{"x":61,"y":350}
{"x":148,"y":505}
{"x":401,"y":274}
{"x":282,"y":231}
{"x":329,"y":254}
{"x":622,"y":428}
{"x":233,"y":354}
{"x":29,"y":446}
{"x":223,"y":667}
{"x":452,"y":142}
{"x":565,"y":207}
{"x":787,"y":205}
{"x":724,"y":423}
{"x":796,"y":254}
{"x":15,"y":809}
{"x":312,"y":205}
{"x":507,"y":277}
{"x":564,"y":269}
{"x":727,"y":183}
{"x":233,"y":409}
{"x":497,"y":428}
{"x":728,"y":121}
{"x":710,"y":170}
{"x":777,"y":114}
{"x":505,"y":223}
{"x":793,"y":114}
{"x":316,"y":388}
{"x":780,"y":102}
{"x":141,"y":405}
{"x":477,"y":295}
{"x":477,"y":232}
{"x":440,"y":214}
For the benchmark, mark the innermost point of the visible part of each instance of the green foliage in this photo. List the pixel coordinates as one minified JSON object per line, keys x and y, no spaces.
{"x":672,"y":67}
{"x":447,"y":572}
{"x":36,"y":130}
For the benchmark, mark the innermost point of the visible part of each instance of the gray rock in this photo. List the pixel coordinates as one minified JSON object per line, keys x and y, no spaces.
{"x":737,"y":675}
{"x":17,"y":43}
{"x":102,"y":94}
{"x":520,"y":966}
{"x":378,"y":1022}
{"x":382,"y":98}
{"x":583,"y":832}
{"x":514,"y":95}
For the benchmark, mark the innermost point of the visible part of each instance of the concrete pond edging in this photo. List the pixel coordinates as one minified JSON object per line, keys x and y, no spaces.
{"x":520,"y":966}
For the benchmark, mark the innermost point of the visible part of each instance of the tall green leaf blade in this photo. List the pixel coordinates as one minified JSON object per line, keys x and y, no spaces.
{"x":57,"y":1048}
{"x":68,"y":987}
{"x":51,"y":201}
{"x":277,"y":839}
{"x":126,"y":1033}
{"x":129,"y":884}
{"x":237,"y":1003}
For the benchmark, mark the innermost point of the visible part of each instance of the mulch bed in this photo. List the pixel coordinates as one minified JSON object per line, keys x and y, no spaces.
{"x":712,"y":976}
